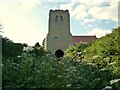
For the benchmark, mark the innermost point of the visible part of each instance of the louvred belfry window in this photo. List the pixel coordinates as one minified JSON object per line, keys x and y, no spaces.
{"x":56,"y":18}
{"x":61,"y":18}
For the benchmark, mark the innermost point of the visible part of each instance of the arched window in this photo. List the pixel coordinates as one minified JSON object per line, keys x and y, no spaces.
{"x":61,"y":18}
{"x":56,"y":18}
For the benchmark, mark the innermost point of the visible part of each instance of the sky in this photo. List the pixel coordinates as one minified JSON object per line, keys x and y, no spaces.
{"x":26,"y":21}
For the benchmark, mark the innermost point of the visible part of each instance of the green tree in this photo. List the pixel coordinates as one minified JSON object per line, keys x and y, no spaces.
{"x":11,"y":49}
{"x":43,"y":43}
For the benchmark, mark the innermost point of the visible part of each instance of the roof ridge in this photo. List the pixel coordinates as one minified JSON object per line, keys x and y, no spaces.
{"x":84,"y":35}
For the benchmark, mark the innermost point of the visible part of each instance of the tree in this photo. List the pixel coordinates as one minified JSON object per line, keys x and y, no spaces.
{"x":11,"y":49}
{"x":37,"y":44}
{"x":43,"y":43}
{"x":1,"y":26}
{"x":25,"y":44}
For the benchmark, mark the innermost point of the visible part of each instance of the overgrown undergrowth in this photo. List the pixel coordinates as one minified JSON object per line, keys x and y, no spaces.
{"x":93,"y":65}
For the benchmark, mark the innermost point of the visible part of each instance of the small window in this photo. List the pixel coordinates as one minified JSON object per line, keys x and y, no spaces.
{"x":61,"y":18}
{"x":56,"y":18}
{"x":55,"y":37}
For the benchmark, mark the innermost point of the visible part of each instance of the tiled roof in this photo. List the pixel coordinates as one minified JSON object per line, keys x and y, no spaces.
{"x":84,"y":38}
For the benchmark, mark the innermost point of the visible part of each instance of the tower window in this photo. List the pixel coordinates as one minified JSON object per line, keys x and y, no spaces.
{"x":61,"y":18}
{"x":56,"y":18}
{"x":55,"y":37}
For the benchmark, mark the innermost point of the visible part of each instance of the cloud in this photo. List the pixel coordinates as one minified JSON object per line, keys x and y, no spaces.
{"x":97,"y":9}
{"x":55,"y":0}
{"x":20,"y":29}
{"x":100,"y":13}
{"x":99,"y":32}
{"x":27,"y":5}
{"x":79,"y":12}
{"x":90,"y":25}
{"x":86,"y":21}
{"x":68,"y":6}
{"x":17,"y":26}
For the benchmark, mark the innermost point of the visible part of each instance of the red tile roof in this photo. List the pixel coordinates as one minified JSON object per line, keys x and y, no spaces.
{"x":84,"y":38}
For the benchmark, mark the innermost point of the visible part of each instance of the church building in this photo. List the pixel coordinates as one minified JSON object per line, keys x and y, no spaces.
{"x":59,"y":37}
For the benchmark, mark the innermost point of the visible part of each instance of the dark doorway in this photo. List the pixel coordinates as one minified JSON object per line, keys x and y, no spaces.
{"x":59,"y":53}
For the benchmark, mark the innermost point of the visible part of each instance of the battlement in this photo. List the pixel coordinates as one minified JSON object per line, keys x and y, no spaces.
{"x":58,"y":10}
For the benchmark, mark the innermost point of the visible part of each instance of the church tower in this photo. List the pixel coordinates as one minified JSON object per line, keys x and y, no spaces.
{"x":59,"y":36}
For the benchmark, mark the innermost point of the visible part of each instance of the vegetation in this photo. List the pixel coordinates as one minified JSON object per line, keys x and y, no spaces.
{"x":93,"y":65}
{"x":10,"y":49}
{"x":103,"y":54}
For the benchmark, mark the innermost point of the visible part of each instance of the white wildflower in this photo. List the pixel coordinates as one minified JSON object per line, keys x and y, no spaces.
{"x":112,"y":63}
{"x":114,"y":81}
{"x":19,"y":56}
{"x":79,"y":53}
{"x":90,"y":63}
{"x":48,"y":54}
{"x":107,"y":88}
{"x":84,"y":51}
{"x":96,"y":56}
{"x":68,"y":85}
{"x":59,"y":76}
{"x":29,"y":48}
{"x":103,"y":69}
{"x":38,"y":71}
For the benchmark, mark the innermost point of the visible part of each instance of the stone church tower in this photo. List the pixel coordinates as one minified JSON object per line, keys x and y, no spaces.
{"x":59,"y":36}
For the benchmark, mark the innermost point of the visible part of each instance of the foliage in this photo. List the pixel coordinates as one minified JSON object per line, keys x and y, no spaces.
{"x":10,"y":49}
{"x":77,"y":51}
{"x":39,"y":50}
{"x":48,"y":72}
{"x":43,"y":43}
{"x":94,"y":65}
{"x":102,"y":54}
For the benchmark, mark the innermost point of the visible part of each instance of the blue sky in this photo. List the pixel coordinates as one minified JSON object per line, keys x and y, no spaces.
{"x":26,"y":21}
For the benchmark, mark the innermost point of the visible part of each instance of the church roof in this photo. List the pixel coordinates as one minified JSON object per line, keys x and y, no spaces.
{"x":84,"y":38}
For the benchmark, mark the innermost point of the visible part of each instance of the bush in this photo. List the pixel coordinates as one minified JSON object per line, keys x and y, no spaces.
{"x":93,"y":65}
